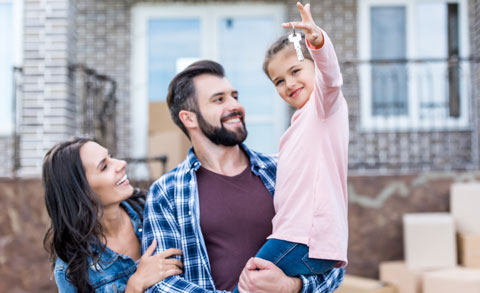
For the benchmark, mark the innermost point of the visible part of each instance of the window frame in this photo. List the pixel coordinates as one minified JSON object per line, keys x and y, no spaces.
{"x":210,"y":15}
{"x":17,"y":60}
{"x":412,"y":121}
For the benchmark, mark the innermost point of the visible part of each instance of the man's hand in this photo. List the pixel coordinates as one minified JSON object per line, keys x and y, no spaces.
{"x":260,"y":275}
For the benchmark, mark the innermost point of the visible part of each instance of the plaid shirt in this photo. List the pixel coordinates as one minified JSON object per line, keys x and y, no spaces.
{"x":172,"y":217}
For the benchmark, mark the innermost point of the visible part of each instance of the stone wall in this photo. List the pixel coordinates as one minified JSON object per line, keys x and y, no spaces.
{"x":375,"y":222}
{"x":24,"y":265}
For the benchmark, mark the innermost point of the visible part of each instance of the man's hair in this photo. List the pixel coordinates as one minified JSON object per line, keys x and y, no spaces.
{"x":279,"y":45}
{"x":181,"y":91}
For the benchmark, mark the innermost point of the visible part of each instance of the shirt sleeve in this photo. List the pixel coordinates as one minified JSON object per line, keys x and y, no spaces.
{"x":325,"y":283}
{"x":328,"y":79}
{"x":160,"y":223}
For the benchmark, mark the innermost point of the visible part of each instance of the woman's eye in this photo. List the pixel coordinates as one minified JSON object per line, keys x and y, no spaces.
{"x":104,"y":167}
{"x":295,"y":71}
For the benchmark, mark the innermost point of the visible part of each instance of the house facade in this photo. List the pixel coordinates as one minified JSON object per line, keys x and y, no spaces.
{"x":410,"y":67}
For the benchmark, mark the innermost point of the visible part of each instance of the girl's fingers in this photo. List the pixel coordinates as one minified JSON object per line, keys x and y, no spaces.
{"x":303,"y":12}
{"x":300,"y":25}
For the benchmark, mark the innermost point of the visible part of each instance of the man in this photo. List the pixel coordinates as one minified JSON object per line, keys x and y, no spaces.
{"x":217,"y":205}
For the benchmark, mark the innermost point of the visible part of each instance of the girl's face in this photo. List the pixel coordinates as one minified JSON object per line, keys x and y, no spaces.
{"x":293,"y":79}
{"x":105,"y":175}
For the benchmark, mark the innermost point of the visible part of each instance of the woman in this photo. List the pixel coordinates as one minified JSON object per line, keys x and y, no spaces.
{"x":96,"y":223}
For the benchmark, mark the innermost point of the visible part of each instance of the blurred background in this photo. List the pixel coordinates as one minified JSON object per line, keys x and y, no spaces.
{"x":101,"y":69}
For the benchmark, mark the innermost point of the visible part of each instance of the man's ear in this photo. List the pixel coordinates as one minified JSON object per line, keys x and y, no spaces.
{"x":188,"y":118}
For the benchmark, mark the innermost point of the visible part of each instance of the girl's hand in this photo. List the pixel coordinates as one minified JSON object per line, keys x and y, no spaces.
{"x":154,"y":268}
{"x":313,"y":33}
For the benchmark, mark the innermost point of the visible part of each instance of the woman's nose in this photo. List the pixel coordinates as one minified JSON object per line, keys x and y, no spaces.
{"x":121,"y":165}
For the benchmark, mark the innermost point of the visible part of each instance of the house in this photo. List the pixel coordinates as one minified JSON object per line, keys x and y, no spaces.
{"x":411,"y":79}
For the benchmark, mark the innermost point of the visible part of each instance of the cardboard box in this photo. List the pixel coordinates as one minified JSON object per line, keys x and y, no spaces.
{"x":464,"y":206}
{"x":405,"y":280}
{"x":461,"y":280}
{"x":159,"y":119}
{"x":469,"y":250}
{"x":353,"y":284}
{"x":173,"y":144}
{"x":429,"y":241}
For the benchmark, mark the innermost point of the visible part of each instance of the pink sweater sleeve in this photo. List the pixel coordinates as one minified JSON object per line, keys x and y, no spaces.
{"x":328,"y":79}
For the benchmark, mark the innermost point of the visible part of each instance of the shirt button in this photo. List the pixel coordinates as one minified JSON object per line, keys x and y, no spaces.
{"x":140,"y":229}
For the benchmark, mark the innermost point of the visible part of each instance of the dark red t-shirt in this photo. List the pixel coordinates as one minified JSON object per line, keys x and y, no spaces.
{"x":236,"y":218}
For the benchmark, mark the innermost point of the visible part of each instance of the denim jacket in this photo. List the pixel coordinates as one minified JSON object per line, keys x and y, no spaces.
{"x":113,"y":269}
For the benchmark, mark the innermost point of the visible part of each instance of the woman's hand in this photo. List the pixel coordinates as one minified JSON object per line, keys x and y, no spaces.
{"x":313,"y":33}
{"x":154,"y":268}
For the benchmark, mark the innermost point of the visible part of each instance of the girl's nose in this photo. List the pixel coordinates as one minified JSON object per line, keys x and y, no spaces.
{"x":290,"y":82}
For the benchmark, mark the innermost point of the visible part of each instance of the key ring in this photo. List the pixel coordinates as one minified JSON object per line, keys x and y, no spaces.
{"x":293,"y":28}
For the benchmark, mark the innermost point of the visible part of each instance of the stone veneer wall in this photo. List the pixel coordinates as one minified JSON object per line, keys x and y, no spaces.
{"x":375,"y":222}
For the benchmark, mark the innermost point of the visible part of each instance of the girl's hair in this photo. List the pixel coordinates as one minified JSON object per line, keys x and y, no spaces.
{"x":75,"y":212}
{"x":278,"y":45}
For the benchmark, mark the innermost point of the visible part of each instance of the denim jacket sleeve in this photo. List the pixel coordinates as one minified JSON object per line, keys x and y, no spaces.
{"x":61,"y":278}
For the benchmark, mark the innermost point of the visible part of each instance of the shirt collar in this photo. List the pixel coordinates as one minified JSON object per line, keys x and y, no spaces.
{"x":255,"y":161}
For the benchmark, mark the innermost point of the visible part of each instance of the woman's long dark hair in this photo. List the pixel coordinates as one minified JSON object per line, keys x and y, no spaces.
{"x":75,"y":212}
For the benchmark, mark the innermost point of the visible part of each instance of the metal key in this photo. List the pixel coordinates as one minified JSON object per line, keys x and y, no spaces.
{"x":295,"y":39}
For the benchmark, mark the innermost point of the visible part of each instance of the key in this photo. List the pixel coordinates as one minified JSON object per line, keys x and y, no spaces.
{"x":295,"y":39}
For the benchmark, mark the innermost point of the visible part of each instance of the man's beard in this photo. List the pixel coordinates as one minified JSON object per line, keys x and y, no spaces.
{"x":220,"y":135}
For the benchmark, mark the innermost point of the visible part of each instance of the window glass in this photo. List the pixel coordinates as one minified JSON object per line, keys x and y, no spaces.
{"x":389,"y":81}
{"x":6,"y":64}
{"x":243,"y":42}
{"x":172,"y":44}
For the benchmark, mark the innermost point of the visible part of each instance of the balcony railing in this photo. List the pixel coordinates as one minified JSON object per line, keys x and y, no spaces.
{"x":412,"y":115}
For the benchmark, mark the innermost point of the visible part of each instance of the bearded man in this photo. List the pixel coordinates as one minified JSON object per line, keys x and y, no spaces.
{"x":217,"y":205}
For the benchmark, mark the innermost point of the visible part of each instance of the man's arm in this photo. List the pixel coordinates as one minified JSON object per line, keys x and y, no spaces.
{"x":161,"y":223}
{"x":263,"y":276}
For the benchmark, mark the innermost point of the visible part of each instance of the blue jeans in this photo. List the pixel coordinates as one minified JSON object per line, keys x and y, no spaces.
{"x":292,"y":258}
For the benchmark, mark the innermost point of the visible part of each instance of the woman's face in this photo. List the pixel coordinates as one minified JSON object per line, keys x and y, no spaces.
{"x":105,"y":175}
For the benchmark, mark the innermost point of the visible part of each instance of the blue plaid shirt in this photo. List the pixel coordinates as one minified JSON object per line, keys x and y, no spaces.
{"x":172,"y":216}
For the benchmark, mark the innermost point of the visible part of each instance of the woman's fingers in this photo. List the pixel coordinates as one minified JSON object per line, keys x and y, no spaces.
{"x":169,"y":252}
{"x":151,"y":248}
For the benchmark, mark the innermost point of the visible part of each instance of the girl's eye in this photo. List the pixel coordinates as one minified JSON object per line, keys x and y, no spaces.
{"x":295,"y":71}
{"x":278,"y":82}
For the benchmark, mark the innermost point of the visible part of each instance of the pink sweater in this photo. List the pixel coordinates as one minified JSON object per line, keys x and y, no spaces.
{"x":311,"y":190}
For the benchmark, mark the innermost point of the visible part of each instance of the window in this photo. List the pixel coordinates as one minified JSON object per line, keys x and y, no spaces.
{"x":10,"y":56}
{"x":166,"y":38}
{"x":408,"y":82}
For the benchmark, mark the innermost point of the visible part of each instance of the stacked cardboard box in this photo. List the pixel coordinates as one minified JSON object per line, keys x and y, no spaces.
{"x":464,"y":203}
{"x":462,"y":280}
{"x":405,"y":280}
{"x":430,"y":264}
{"x":354,"y":284}
{"x":164,"y":138}
{"x":429,"y":241}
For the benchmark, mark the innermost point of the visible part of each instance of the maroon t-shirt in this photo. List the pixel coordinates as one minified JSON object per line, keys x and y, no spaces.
{"x":236,"y":218}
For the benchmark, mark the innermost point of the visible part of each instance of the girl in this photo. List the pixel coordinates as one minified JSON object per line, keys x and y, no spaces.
{"x":96,"y":223}
{"x":310,"y":229}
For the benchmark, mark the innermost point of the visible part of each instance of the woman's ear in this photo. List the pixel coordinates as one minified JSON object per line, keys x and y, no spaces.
{"x":188,"y":118}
